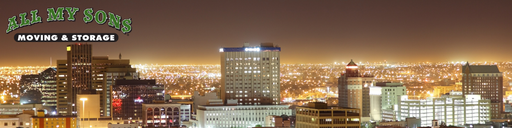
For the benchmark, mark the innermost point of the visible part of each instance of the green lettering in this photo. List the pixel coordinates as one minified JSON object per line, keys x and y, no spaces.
{"x":35,"y":17}
{"x":114,"y":20}
{"x":13,"y":24}
{"x":88,"y":15}
{"x":127,"y":28}
{"x":71,"y":13}
{"x":103,"y":20}
{"x":24,"y":20}
{"x":58,"y":15}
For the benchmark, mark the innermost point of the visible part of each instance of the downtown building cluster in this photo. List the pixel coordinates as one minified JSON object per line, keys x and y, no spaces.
{"x":479,"y":102}
{"x":97,"y":91}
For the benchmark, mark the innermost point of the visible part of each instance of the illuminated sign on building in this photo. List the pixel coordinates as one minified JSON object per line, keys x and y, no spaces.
{"x":252,"y":49}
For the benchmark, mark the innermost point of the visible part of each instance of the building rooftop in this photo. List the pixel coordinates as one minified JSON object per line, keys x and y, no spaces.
{"x":388,"y":84}
{"x":482,"y":68}
{"x":56,"y":116}
{"x":135,"y":82}
{"x":351,"y":63}
{"x":246,"y":47}
{"x":317,"y":105}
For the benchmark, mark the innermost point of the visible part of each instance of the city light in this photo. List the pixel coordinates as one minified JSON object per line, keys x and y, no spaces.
{"x":252,"y":49}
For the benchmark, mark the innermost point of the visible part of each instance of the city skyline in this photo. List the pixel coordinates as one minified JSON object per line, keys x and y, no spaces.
{"x":256,"y":63}
{"x":172,"y":32}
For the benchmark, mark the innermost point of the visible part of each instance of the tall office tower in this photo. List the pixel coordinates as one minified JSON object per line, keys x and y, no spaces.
{"x":105,"y":72}
{"x":129,"y":95}
{"x":250,"y":75}
{"x":111,"y":75}
{"x":487,"y":81}
{"x":354,"y":90}
{"x":78,"y":76}
{"x":62,"y":90}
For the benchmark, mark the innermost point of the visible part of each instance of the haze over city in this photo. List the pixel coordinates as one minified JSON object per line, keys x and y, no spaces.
{"x":191,"y":32}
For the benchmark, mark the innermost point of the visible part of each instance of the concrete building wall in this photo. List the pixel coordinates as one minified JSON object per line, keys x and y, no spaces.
{"x":237,"y":116}
{"x":385,"y":97}
{"x":452,"y":111}
{"x":88,"y":105}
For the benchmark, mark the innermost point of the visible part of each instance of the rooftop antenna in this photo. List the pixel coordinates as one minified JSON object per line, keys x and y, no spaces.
{"x":119,"y":55}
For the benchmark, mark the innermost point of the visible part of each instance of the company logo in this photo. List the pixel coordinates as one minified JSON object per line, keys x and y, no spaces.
{"x":55,"y":15}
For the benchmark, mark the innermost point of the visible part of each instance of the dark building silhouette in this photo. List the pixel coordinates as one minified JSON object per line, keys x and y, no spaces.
{"x":129,"y":95}
{"x":40,"y":88}
{"x":28,"y":82}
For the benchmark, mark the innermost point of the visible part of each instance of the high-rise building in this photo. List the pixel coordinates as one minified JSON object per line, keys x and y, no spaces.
{"x":74,"y":76}
{"x":354,"y":90}
{"x":487,"y":81}
{"x":129,"y":95}
{"x":384,"y":100}
{"x":251,"y":75}
{"x":83,"y":73}
{"x":62,"y":91}
{"x":105,"y":72}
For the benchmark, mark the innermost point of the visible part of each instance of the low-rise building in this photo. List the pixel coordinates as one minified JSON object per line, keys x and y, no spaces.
{"x":319,"y":115}
{"x":44,"y":121}
{"x":407,"y":123}
{"x":122,"y":126}
{"x":237,"y":116}
{"x":16,"y":121}
{"x":277,"y":121}
{"x":384,"y":100}
{"x":450,"y":110}
{"x":161,"y":115}
{"x":14,"y":109}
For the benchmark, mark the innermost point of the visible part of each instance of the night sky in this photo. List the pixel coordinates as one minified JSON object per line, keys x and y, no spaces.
{"x":308,"y":31}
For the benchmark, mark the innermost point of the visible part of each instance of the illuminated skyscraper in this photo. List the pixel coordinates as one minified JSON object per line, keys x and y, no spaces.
{"x":354,"y":90}
{"x":74,"y":76}
{"x":250,"y":75}
{"x":487,"y":81}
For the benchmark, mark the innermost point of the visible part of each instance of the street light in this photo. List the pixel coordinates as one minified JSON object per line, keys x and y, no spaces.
{"x":83,"y":110}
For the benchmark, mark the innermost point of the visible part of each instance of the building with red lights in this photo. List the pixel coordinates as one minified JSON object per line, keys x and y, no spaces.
{"x":129,"y":95}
